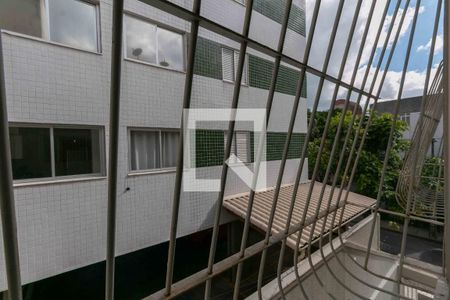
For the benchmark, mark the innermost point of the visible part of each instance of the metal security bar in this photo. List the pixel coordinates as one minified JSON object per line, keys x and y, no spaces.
{"x":116,"y":71}
{"x":180,"y":163}
{"x":334,"y":210}
{"x":7,"y":204}
{"x":297,"y":223}
{"x":446,"y":136}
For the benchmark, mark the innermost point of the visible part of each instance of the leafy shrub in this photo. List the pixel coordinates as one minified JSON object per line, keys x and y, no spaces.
{"x":369,"y":168}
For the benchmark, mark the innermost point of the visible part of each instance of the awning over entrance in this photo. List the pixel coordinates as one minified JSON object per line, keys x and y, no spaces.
{"x":262,"y":205}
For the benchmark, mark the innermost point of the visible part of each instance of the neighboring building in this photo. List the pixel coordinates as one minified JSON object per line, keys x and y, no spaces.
{"x":57,"y":57}
{"x":409,"y":111}
{"x":340,"y":104}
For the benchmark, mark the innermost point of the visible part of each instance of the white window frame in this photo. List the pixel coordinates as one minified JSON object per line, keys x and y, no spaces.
{"x":242,"y":2}
{"x":51,"y":127}
{"x":157,"y":25}
{"x":45,"y":19}
{"x":245,"y":76}
{"x":154,"y":170}
{"x":406,"y":117}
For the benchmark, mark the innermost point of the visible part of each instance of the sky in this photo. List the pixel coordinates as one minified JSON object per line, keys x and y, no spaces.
{"x":419,"y":56}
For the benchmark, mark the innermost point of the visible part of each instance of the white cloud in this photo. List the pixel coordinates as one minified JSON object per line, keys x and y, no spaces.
{"x":414,"y":83}
{"x":321,"y":40}
{"x":437,"y":48}
{"x":406,"y":23}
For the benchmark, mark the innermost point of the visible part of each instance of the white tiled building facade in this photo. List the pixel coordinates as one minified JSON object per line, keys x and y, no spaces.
{"x":51,"y":85}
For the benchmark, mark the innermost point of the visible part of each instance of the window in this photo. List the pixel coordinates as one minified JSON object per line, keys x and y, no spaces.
{"x":239,"y":146}
{"x":230,"y":59}
{"x":169,"y":149}
{"x":153,"y":149}
{"x":23,"y":16}
{"x":151,"y":44}
{"x":70,"y":22}
{"x":73,"y":22}
{"x":43,"y":152}
{"x":77,"y":151}
{"x":406,"y":118}
{"x":30,"y":162}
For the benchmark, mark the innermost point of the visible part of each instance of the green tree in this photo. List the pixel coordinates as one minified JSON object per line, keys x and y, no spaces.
{"x":369,"y":168}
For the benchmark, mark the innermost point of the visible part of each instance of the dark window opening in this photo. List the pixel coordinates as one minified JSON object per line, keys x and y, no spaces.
{"x":30,"y":152}
{"x":76,"y":151}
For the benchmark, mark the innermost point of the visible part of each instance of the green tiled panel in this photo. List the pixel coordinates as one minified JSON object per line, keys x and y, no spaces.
{"x":208,"y":59}
{"x":209,"y":148}
{"x":287,"y":81}
{"x":259,"y":72}
{"x":275,"y":145}
{"x":260,"y":75}
{"x":208,"y":62}
{"x":297,"y":20}
{"x":296,"y":146}
{"x":252,"y":142}
{"x":275,"y":10}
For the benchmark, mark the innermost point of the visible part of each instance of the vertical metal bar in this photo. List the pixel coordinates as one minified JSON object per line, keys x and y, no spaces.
{"x":393,"y":47}
{"x":416,"y":146}
{"x":180,"y":159}
{"x":7,"y":205}
{"x":402,"y":82}
{"x":316,"y":100}
{"x":341,"y":122}
{"x":369,"y":64}
{"x":349,"y":130}
{"x":297,"y":180}
{"x":116,"y":67}
{"x":386,"y":42}
{"x":281,"y":40}
{"x":300,"y":169}
{"x":286,"y":146}
{"x":392,"y":22}
{"x":293,"y":117}
{"x":446,"y":138}
{"x":353,"y":146}
{"x":381,"y":58}
{"x":230,"y":137}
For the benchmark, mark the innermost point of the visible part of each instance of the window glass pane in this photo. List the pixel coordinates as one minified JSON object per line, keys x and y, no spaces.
{"x":145,"y":150}
{"x":233,"y":146}
{"x":244,"y":71}
{"x":170,"y":147}
{"x":227,"y":64}
{"x":170,"y":49}
{"x":30,"y":152}
{"x":140,"y":40}
{"x":242,"y":139}
{"x":23,"y":16}
{"x":76,"y":151}
{"x":74,"y":23}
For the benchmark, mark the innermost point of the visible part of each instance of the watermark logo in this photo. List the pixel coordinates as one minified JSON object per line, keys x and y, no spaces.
{"x":254,"y":175}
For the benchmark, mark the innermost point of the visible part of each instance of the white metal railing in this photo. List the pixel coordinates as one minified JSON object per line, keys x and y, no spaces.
{"x":369,"y":89}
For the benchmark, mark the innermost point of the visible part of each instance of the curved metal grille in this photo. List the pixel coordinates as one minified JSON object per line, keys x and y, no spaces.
{"x":428,"y":185}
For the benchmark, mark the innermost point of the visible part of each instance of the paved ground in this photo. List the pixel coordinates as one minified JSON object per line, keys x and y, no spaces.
{"x":422,"y":249}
